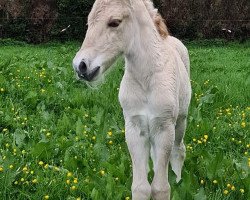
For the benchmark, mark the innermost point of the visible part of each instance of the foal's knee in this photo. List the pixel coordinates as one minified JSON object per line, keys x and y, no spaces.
{"x":141,"y":192}
{"x":160,"y":192}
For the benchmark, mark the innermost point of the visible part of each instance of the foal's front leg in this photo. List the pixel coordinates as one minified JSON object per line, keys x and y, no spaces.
{"x":138,"y":145}
{"x":162,"y":144}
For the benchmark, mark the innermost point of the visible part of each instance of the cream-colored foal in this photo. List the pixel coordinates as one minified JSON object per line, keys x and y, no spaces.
{"x":155,"y":89}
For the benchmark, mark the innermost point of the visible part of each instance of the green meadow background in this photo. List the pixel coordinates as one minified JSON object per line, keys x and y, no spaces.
{"x":61,"y":139}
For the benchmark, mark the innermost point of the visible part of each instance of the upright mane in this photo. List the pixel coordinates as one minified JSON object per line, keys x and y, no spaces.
{"x":157,"y":18}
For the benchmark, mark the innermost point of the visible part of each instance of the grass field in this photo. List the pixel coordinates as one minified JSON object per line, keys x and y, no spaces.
{"x":61,"y":140}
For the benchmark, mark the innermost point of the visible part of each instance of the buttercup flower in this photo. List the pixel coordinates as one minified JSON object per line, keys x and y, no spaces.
{"x":225,"y":192}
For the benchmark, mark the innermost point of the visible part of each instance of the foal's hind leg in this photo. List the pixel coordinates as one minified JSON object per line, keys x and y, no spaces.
{"x":178,"y":153}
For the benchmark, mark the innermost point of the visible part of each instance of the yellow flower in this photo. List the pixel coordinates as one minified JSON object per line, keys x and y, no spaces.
{"x":94,"y":138}
{"x":1,"y":169}
{"x":127,"y":198}
{"x":229,"y":185}
{"x":199,"y":142}
{"x":75,"y":180}
{"x":7,"y":145}
{"x":78,"y":198}
{"x":56,"y":168}
{"x":215,"y":181}
{"x":34,"y":180}
{"x":243,"y":124}
{"x":225,"y":192}
{"x":25,"y":169}
{"x":46,"y":166}
{"x":32,"y":172}
{"x":2,"y":90}
{"x":202,"y":181}
{"x":242,"y":191}
{"x":16,"y":182}
{"x":232,"y":188}
{"x":110,"y":133}
{"x":5,"y":130}
{"x":69,"y":174}
{"x":43,"y":90}
{"x":68,"y":181}
{"x":11,"y":166}
{"x":40,"y":163}
{"x":22,"y":179}
{"x":110,"y":142}
{"x":102,"y":172}
{"x":194,"y":140}
{"x":206,"y":137}
{"x":46,"y":197}
{"x":73,"y":187}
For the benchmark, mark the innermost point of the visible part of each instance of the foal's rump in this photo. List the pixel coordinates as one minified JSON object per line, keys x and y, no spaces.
{"x":181,"y":49}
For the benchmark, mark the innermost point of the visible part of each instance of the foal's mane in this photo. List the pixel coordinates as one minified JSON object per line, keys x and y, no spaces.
{"x":157,"y":18}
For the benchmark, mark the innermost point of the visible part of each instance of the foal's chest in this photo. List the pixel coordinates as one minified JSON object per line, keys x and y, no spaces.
{"x":148,"y":110}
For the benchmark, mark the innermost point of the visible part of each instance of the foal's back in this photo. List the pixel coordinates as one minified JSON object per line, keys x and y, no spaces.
{"x":181,"y":49}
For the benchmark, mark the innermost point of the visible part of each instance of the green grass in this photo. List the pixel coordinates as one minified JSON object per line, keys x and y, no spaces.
{"x":78,"y":133}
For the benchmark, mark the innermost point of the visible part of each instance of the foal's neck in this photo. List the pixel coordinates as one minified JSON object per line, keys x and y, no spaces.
{"x":144,"y":56}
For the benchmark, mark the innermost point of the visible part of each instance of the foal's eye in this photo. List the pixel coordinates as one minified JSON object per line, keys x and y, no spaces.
{"x":114,"y":23}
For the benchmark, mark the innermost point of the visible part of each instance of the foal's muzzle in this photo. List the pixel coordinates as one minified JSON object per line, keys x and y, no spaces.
{"x":83,"y":72}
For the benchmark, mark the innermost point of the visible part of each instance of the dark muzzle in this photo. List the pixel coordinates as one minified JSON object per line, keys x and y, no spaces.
{"x":84,"y":74}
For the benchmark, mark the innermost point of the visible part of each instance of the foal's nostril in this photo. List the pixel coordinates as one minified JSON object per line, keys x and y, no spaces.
{"x":82,"y":67}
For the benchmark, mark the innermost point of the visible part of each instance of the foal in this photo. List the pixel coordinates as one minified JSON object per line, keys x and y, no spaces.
{"x":155,"y":90}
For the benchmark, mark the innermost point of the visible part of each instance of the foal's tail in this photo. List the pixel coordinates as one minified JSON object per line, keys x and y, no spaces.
{"x":177,"y":158}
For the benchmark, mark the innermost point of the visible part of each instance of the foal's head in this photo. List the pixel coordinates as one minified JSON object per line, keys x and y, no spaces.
{"x":112,"y":27}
